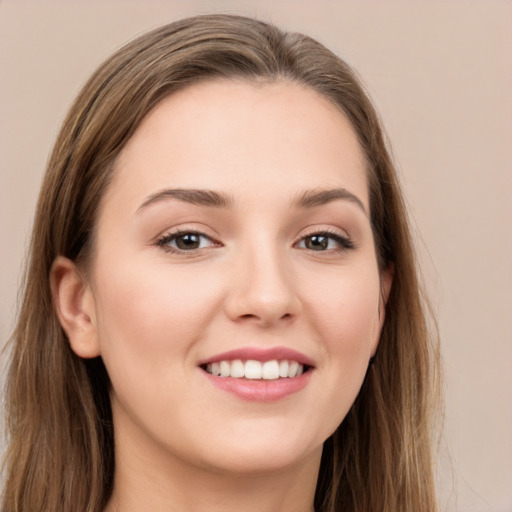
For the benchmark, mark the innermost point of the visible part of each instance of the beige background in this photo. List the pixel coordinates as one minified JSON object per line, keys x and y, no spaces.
{"x":440,"y":75}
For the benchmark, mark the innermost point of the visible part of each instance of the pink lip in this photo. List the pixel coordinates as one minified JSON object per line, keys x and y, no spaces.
{"x":261,"y":390}
{"x":260,"y":354}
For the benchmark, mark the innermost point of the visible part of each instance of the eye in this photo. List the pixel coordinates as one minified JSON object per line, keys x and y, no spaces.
{"x":325,"y":241}
{"x":185,"y":241}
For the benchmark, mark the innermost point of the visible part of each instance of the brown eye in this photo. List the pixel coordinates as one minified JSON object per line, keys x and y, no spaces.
{"x":188,"y":241}
{"x":325,"y":242}
{"x":317,"y":242}
{"x":185,"y":242}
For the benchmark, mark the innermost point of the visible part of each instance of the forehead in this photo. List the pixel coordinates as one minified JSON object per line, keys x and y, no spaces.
{"x":242,"y":137}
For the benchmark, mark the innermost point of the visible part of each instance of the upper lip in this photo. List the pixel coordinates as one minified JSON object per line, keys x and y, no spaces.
{"x":260,"y":354}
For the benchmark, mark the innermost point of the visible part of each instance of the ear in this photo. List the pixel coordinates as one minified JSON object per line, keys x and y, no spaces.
{"x":386,"y":282}
{"x":74,"y":304}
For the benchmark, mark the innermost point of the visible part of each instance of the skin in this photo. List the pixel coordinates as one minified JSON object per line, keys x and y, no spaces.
{"x":153,"y":313}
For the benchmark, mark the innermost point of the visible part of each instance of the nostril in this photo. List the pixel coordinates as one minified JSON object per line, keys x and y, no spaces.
{"x":265,"y":318}
{"x":248,"y":316}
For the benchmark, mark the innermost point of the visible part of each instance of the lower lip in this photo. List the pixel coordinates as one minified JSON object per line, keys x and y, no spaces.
{"x":261,"y":390}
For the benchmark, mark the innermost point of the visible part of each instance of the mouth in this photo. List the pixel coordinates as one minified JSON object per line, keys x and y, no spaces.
{"x":258,"y":374}
{"x":252,"y":369}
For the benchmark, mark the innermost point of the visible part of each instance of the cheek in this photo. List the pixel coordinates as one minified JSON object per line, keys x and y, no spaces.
{"x":147,"y":315}
{"x":149,"y":322}
{"x":347,"y":305}
{"x":346,"y":317}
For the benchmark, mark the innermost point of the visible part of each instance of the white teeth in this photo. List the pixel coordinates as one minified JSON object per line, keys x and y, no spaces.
{"x":253,"y":369}
{"x":225,"y":369}
{"x":237,"y":369}
{"x":292,"y":369}
{"x":216,"y":368}
{"x":256,"y":370}
{"x":270,"y":370}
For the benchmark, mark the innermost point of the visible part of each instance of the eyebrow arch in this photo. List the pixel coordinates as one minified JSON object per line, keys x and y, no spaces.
{"x":192,"y":196}
{"x":311,"y":198}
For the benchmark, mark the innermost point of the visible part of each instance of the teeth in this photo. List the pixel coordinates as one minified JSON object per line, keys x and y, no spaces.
{"x":237,"y":369}
{"x":225,"y":369}
{"x":292,"y":369}
{"x":216,"y":368}
{"x":256,"y":370}
{"x":271,"y":370}
{"x":253,"y":370}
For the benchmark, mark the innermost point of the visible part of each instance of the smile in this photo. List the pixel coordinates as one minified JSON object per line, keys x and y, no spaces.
{"x":256,"y":370}
{"x":259,"y":374}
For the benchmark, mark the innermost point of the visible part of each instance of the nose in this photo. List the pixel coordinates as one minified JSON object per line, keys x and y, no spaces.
{"x":262,"y":289}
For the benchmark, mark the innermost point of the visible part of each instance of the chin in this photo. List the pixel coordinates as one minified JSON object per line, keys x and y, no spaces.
{"x":265,"y":451}
{"x":258,"y":463}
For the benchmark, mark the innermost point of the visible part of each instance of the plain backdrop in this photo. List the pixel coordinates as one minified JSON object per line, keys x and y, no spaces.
{"x":440,"y":75}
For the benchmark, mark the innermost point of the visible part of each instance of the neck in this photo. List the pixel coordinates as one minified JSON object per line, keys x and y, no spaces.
{"x":193,"y":490}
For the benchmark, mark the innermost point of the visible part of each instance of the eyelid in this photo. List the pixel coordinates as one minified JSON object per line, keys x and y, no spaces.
{"x":168,"y":236}
{"x":342,"y":238}
{"x":344,"y":241}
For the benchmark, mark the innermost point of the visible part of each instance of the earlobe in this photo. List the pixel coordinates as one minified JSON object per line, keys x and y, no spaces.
{"x":74,"y":305}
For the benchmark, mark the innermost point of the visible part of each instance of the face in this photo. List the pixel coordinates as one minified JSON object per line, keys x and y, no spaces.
{"x":234,"y":289}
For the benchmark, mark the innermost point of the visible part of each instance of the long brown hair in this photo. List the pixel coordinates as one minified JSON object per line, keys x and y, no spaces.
{"x":60,"y":456}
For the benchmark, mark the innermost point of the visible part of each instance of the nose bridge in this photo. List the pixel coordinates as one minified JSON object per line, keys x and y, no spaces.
{"x":263,"y":287}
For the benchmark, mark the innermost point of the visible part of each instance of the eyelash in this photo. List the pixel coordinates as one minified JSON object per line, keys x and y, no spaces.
{"x":344,"y":242}
{"x":165,"y":240}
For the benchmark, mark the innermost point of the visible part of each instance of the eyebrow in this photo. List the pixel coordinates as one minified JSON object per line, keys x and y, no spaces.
{"x":213,"y":199}
{"x":312,"y":198}
{"x":192,"y":196}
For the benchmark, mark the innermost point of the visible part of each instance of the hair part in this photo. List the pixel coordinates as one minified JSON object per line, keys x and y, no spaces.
{"x":61,"y":452}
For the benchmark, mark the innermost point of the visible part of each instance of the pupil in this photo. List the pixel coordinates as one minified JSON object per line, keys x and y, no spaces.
{"x":189,"y":241}
{"x":317,"y":242}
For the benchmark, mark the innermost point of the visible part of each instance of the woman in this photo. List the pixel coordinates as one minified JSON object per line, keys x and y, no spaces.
{"x":220,"y":253}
